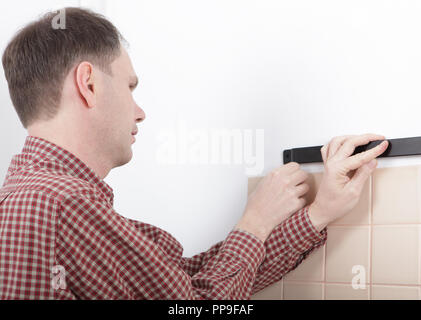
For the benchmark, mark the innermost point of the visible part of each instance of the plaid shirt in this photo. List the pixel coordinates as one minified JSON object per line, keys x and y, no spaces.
{"x":60,"y":238}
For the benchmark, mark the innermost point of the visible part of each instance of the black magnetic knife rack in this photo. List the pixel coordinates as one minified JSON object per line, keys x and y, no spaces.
{"x":396,"y":148}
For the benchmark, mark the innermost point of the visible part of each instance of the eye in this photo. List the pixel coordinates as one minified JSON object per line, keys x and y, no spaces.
{"x":133,"y":83}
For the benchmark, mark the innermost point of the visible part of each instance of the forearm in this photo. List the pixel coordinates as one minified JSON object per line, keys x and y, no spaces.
{"x":314,"y":213}
{"x":253,"y":227}
{"x":287,"y":246}
{"x":230,"y":274}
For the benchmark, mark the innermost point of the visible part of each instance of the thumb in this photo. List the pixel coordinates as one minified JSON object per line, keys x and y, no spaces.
{"x":361,"y":175}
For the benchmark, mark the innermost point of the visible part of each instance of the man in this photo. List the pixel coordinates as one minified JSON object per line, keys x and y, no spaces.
{"x":61,"y":238}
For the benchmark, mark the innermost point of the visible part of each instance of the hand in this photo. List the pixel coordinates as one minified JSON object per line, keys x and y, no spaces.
{"x":276,"y":197}
{"x":344,"y":177}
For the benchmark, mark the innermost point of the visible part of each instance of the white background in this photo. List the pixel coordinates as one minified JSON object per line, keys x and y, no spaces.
{"x":304,"y":71}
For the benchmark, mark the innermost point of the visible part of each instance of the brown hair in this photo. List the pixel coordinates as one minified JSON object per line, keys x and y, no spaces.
{"x":38,"y":58}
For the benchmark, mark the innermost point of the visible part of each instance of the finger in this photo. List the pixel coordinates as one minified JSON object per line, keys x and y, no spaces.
{"x":288,"y":168}
{"x":329,"y":145}
{"x":361,"y":175}
{"x":301,"y":203}
{"x":323,"y":152}
{"x":298,"y":177}
{"x":296,"y":205}
{"x":336,"y":143}
{"x":359,"y":159}
{"x":302,"y":189}
{"x":350,"y":144}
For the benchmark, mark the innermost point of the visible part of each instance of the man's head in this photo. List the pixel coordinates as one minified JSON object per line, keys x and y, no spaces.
{"x":75,"y":83}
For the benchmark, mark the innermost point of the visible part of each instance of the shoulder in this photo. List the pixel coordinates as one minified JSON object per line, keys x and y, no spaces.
{"x":52,"y":179}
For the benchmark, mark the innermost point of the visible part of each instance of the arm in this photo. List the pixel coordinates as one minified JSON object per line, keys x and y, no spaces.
{"x":163,"y":239}
{"x":193,"y":266}
{"x":291,"y":241}
{"x":107,"y":257}
{"x":287,"y":246}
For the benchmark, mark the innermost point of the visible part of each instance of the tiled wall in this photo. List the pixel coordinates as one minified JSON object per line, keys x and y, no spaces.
{"x":381,"y":236}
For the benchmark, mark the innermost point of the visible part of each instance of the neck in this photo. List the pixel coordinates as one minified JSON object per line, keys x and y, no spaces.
{"x":76,"y":141}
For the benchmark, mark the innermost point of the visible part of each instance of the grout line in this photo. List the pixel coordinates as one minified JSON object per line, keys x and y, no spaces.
{"x":348,"y":284}
{"x":377,"y":224}
{"x":419,"y":260}
{"x":419,"y":234}
{"x":282,"y":289}
{"x":371,"y":225}
{"x":396,"y":285}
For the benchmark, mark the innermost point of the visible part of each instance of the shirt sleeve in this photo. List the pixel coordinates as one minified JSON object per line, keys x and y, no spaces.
{"x":285,"y":248}
{"x":105,"y":256}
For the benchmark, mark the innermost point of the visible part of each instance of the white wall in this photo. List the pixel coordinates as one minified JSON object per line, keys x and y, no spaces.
{"x":304,"y":71}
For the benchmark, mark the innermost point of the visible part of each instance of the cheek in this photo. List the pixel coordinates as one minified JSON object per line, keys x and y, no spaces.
{"x":123,"y":100}
{"x":117,"y":102}
{"x":114,"y":103}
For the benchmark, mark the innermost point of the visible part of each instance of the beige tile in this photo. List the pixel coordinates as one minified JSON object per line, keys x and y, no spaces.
{"x":361,"y":212}
{"x":396,"y":254}
{"x":346,"y":292}
{"x":397,"y":195}
{"x":311,"y":269}
{"x":347,"y":248}
{"x":303,"y":291}
{"x":272,"y":292}
{"x":394,"y":293}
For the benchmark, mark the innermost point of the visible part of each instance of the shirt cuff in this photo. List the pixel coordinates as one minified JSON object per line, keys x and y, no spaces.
{"x":300,"y":232}
{"x":245,"y":245}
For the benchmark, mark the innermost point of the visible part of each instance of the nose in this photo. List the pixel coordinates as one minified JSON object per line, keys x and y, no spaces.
{"x":139,"y":114}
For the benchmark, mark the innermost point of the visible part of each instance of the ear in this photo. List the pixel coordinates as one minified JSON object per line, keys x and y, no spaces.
{"x":85,"y":83}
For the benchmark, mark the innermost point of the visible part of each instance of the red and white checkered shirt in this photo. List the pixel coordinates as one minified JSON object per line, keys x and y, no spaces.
{"x":60,"y":238}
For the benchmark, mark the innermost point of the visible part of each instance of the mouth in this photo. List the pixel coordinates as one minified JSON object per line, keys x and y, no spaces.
{"x":133,"y":135}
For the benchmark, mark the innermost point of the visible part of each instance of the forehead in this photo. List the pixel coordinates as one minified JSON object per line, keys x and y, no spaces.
{"x":122,"y":65}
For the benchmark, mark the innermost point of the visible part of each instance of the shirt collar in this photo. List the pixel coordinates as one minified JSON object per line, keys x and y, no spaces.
{"x":75,"y":167}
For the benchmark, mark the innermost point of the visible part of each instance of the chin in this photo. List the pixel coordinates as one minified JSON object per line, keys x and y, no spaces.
{"x":125,"y":158}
